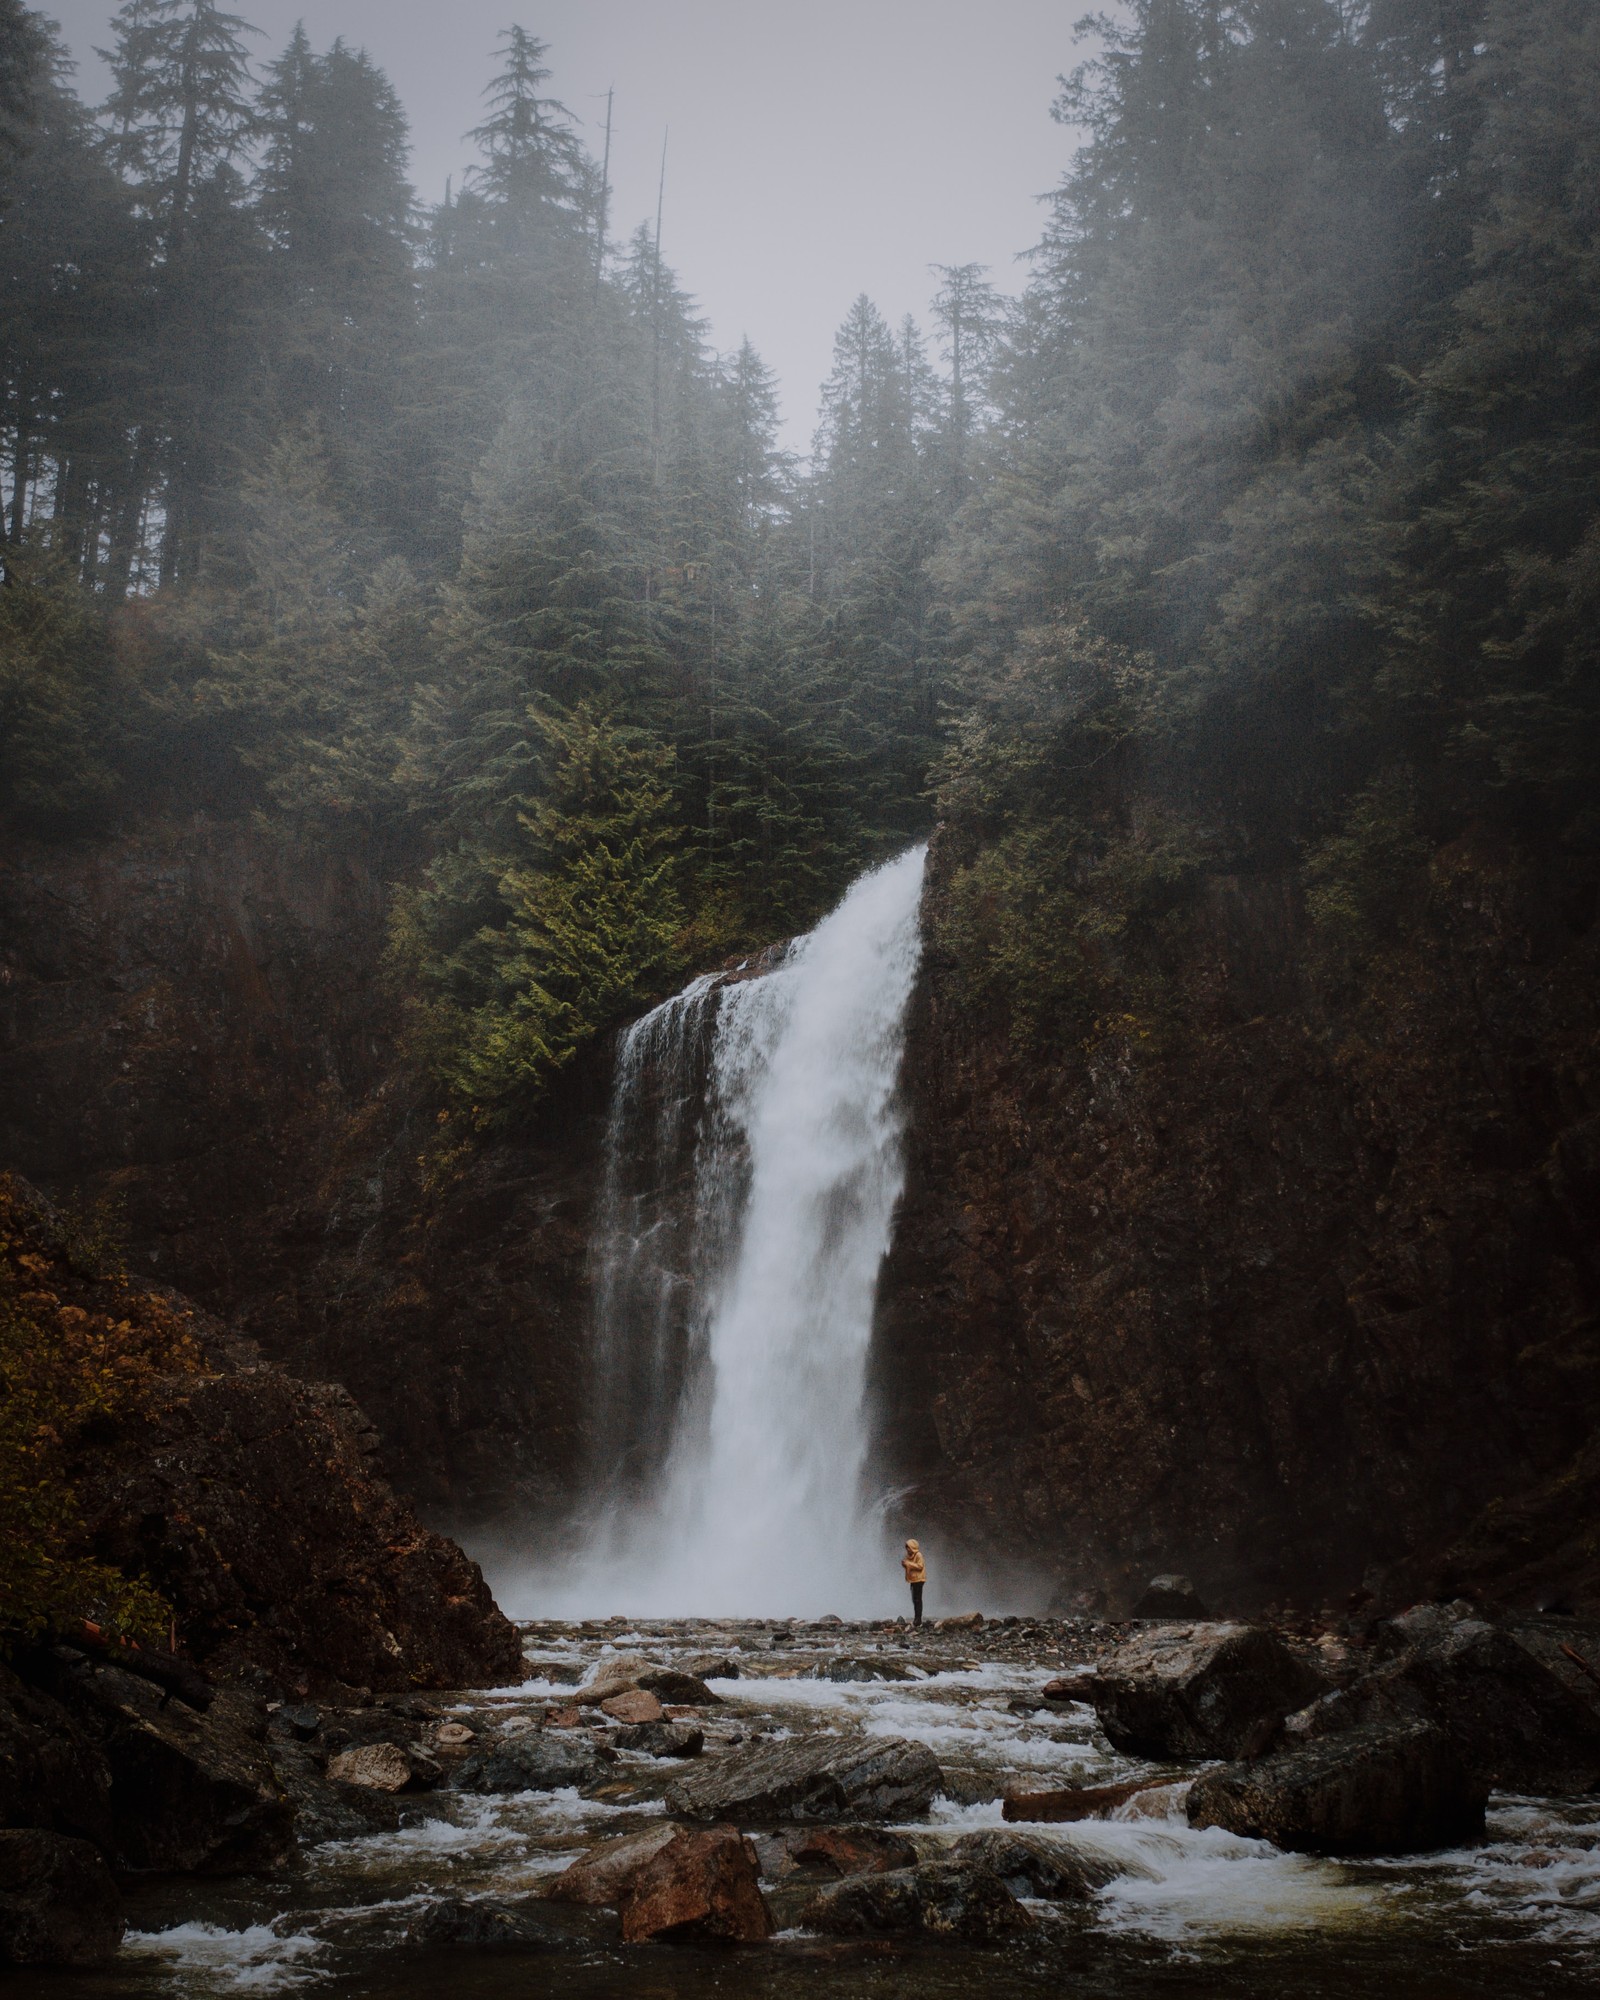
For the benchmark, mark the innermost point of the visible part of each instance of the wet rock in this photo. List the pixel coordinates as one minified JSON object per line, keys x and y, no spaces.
{"x":456,"y":1735}
{"x":966,"y":1621}
{"x":534,"y":1764}
{"x":1032,"y":1867}
{"x":811,"y":1778}
{"x":663,"y":1739}
{"x":1169,"y":1597}
{"x":638,"y":1706}
{"x":851,"y":1850}
{"x":53,"y":1773}
{"x":1515,"y":1724}
{"x":947,"y":1900}
{"x":564,"y":1718}
{"x":1199,"y":1691}
{"x":672,"y":1684}
{"x":1065,"y":1687}
{"x":1379,"y":1789}
{"x":301,"y":1723}
{"x":700,"y":1886}
{"x":483,"y":1923}
{"x":252,"y":1501}
{"x":384,"y":1767}
{"x":188,"y":1792}
{"x":1072,"y":1802}
{"x":612,"y":1677}
{"x":596,"y":1878}
{"x":710,"y":1667}
{"x":870,"y":1667}
{"x":58,"y":1903}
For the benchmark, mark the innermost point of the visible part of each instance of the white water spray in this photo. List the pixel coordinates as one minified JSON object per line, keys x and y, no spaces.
{"x":735,"y":1288}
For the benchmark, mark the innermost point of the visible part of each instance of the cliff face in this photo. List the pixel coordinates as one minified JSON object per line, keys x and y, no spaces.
{"x":1283,"y":1296}
{"x":192,"y":1019}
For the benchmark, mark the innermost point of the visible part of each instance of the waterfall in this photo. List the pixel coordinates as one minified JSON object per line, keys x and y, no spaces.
{"x":754,"y":1164}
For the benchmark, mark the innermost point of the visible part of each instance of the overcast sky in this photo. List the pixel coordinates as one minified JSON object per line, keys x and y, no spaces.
{"x":818,"y":148}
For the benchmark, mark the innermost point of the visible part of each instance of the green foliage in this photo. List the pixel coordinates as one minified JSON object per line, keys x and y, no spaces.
{"x":580,"y":919}
{"x":1361,"y":880}
{"x":77,"y":1347}
{"x":59,"y":702}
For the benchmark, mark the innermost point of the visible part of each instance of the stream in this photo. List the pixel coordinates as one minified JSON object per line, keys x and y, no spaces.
{"x":1190,"y":1912}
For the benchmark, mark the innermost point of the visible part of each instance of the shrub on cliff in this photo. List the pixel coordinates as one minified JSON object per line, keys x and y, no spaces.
{"x":76,"y":1347}
{"x":518,"y":953}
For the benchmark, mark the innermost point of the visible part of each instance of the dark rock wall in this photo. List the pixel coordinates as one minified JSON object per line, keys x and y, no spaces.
{"x":193,"y":1018}
{"x":1281,"y":1295}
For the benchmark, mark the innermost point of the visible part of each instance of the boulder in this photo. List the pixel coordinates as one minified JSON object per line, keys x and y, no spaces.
{"x":538,"y":1763}
{"x":189,"y":1792}
{"x":384,"y":1767}
{"x":939,"y":1899}
{"x":1033,"y":1868}
{"x":1515,"y":1724}
{"x":1169,"y":1597}
{"x":663,"y":1739}
{"x":811,"y":1778}
{"x":53,"y":1773}
{"x":637,"y":1706}
{"x":1065,"y":1687}
{"x":1199,"y":1691}
{"x":619,"y":1675}
{"x":1072,"y":1802}
{"x":1378,"y":1789}
{"x":596,"y":1878}
{"x":701,"y":1886}
{"x":965,"y":1621}
{"x":671,"y":1684}
{"x":850,"y":1850}
{"x":58,"y":1903}
{"x":483,"y":1923}
{"x":870,"y":1668}
{"x":711,"y":1667}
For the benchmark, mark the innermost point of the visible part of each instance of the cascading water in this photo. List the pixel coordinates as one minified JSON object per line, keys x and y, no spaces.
{"x":754,"y":1166}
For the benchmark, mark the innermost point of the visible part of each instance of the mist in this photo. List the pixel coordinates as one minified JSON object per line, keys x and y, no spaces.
{"x":812,"y":153}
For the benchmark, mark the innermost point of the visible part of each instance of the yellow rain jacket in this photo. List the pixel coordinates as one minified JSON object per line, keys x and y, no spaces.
{"x":911,"y":1562}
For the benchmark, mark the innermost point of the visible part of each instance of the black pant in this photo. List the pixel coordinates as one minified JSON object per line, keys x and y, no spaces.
{"x":916,"y":1604}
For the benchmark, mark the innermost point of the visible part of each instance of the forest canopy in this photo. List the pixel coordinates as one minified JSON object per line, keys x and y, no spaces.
{"x":1261,"y":530}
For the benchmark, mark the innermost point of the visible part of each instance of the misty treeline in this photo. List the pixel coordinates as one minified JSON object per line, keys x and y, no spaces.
{"x":1262,"y":531}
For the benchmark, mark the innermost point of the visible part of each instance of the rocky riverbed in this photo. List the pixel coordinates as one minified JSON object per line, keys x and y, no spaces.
{"x":842,"y":1791}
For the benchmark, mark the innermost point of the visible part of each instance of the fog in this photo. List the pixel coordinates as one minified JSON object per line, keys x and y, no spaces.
{"x":814,"y":152}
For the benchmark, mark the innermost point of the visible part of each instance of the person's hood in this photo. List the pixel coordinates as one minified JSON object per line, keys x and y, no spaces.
{"x":914,"y":1548}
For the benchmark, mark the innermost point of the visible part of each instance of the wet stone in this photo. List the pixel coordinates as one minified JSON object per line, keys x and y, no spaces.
{"x":662,"y":1739}
{"x":702,"y":1886}
{"x":949,"y":1901}
{"x":58,"y":1903}
{"x":811,"y":1778}
{"x":850,"y":1850}
{"x":536,"y":1764}
{"x":483,"y":1923}
{"x":596,"y":1878}
{"x":1033,"y":1868}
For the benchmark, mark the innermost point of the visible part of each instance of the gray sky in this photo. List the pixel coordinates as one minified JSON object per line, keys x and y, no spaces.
{"x":819,"y":148}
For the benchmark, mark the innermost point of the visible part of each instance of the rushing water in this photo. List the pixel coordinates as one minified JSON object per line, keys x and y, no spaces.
{"x":1187,"y":1912}
{"x":752,"y":1173}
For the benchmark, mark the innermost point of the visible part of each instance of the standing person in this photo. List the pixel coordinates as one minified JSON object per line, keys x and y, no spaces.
{"x":916,"y":1575}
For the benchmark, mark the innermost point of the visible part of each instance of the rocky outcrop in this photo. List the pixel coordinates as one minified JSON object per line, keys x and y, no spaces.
{"x":251,"y":1501}
{"x":1513,"y":1721}
{"x":1399,"y":1788}
{"x":58,"y":1903}
{"x":254,"y":1503}
{"x":811,"y":1778}
{"x":1199,"y":1691}
{"x":1282,"y":1283}
{"x":184,"y":1791}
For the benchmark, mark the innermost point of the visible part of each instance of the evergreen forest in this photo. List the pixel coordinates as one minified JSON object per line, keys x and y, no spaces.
{"x":1255,"y":523}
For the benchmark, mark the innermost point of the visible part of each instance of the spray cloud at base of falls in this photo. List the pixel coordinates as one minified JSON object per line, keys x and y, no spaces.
{"x":753,"y":1168}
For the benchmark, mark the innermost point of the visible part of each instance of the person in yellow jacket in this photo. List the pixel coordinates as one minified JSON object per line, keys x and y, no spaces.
{"x":916,"y":1575}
